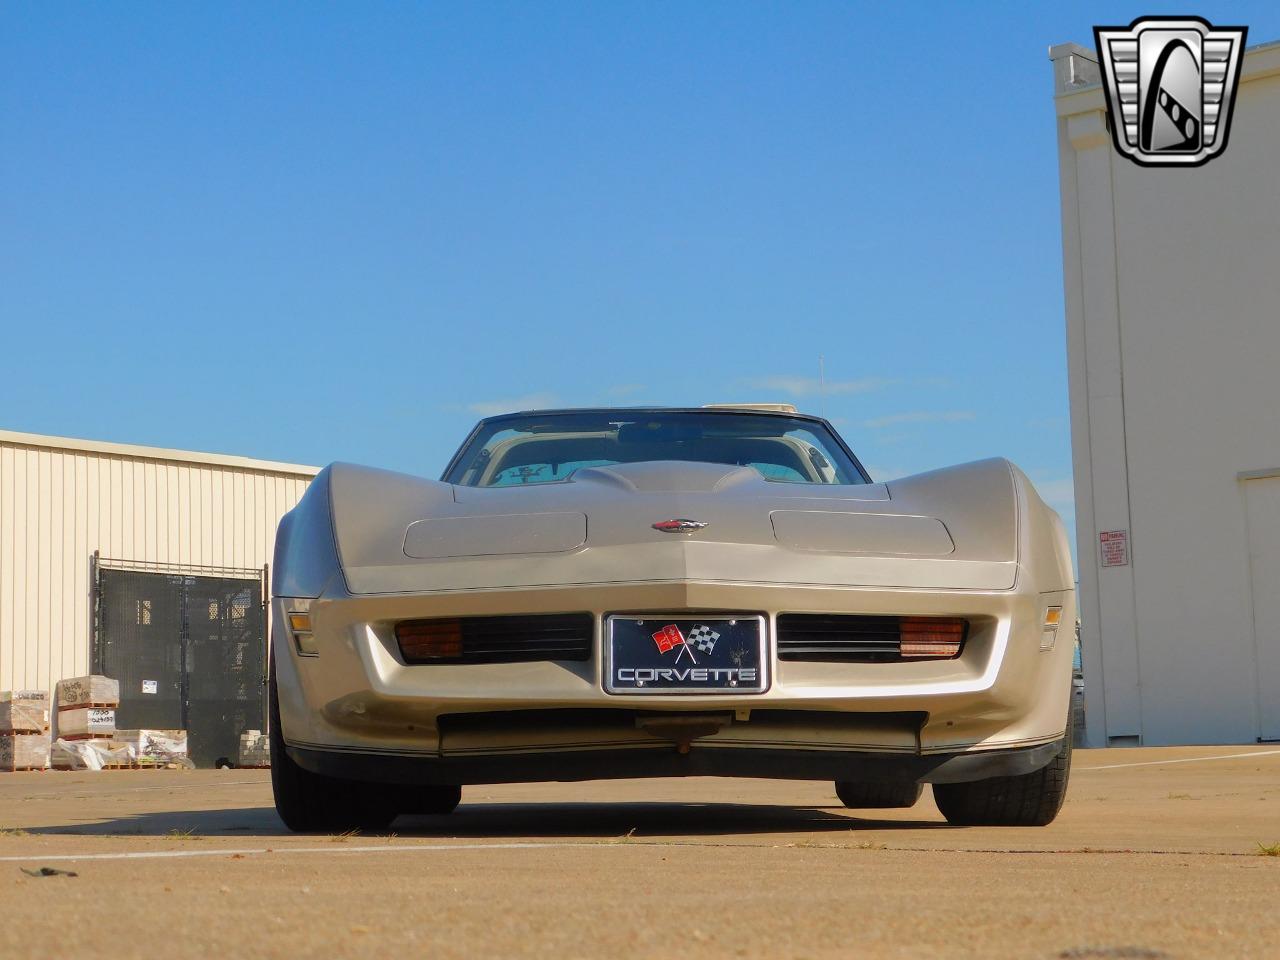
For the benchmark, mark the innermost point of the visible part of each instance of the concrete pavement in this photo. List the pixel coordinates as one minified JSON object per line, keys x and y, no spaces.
{"x":1156,"y":854}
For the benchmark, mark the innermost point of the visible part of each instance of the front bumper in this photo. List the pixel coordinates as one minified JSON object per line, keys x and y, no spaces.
{"x":358,"y":710}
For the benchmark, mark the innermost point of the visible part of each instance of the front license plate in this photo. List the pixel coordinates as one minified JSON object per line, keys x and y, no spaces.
{"x":718,"y":654}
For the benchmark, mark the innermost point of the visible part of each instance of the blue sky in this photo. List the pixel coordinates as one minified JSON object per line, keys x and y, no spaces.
{"x":316,"y":232}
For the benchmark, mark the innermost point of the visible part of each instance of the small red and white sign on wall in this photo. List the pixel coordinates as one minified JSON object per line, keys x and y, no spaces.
{"x":1115,"y":548}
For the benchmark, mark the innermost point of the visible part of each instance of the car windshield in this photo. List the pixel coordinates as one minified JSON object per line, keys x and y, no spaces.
{"x":529,"y":448}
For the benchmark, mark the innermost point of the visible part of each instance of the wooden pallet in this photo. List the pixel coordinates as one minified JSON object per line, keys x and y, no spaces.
{"x":23,"y":733}
{"x":121,"y":766}
{"x":165,"y":765}
{"x":98,"y":735}
{"x":22,"y":769}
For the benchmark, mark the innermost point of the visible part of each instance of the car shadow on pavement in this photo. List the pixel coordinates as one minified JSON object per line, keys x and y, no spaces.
{"x":234,"y":822}
{"x":646,"y":818}
{"x":533,"y":821}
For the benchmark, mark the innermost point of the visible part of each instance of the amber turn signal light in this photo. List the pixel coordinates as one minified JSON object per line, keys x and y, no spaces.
{"x":939,"y":637}
{"x":430,"y":639}
{"x":1052,"y":619}
{"x":303,"y":636}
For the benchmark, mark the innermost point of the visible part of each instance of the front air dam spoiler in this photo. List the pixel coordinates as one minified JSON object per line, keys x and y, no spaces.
{"x":666,"y":761}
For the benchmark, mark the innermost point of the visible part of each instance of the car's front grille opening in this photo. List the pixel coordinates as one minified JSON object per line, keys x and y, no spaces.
{"x":855,"y":638}
{"x":513,"y":639}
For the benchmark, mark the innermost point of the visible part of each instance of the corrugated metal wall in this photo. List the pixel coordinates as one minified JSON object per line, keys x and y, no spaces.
{"x":59,"y":505}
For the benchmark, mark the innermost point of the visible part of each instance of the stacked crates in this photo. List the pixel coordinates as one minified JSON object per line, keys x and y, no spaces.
{"x":24,"y":730}
{"x":153,"y":747}
{"x":255,"y":749}
{"x":86,"y":712}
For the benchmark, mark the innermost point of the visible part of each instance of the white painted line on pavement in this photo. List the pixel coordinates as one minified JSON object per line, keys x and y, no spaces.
{"x":254,"y":851}
{"x":1161,"y":763}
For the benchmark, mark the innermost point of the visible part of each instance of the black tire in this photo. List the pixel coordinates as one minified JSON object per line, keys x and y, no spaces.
{"x":859,"y":795}
{"x":310,"y":803}
{"x":1031,"y":800}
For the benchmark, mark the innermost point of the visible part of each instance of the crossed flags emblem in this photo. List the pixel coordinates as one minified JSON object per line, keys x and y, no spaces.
{"x":670,"y":637}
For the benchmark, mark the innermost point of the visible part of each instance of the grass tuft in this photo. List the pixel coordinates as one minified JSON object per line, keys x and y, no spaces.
{"x":1268,"y":850}
{"x":627,"y":837}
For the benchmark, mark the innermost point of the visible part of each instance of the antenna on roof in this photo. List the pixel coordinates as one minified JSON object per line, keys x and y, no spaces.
{"x":822,"y":386}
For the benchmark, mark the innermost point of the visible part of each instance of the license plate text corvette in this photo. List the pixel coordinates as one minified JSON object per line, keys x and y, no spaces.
{"x":680,"y":654}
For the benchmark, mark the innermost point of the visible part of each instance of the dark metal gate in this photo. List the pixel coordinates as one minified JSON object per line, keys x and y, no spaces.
{"x":188,"y":646}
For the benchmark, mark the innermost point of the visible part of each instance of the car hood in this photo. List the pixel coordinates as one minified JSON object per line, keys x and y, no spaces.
{"x":953,"y":528}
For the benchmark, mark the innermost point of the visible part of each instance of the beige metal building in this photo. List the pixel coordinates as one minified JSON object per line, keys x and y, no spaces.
{"x":1172,"y":284}
{"x":144,"y":563}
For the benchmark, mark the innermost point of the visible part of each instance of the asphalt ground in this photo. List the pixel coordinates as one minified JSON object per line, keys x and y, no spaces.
{"x":1157,"y":854}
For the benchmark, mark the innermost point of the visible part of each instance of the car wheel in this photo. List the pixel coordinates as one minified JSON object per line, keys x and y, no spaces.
{"x":310,"y":803}
{"x":1030,"y":800}
{"x":859,"y":795}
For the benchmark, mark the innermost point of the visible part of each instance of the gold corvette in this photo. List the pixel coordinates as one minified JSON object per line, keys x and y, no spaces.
{"x":722,"y":591}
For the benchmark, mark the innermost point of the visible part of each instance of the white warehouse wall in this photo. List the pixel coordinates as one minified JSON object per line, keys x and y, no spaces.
{"x":60,"y":500}
{"x":1172,"y":280}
